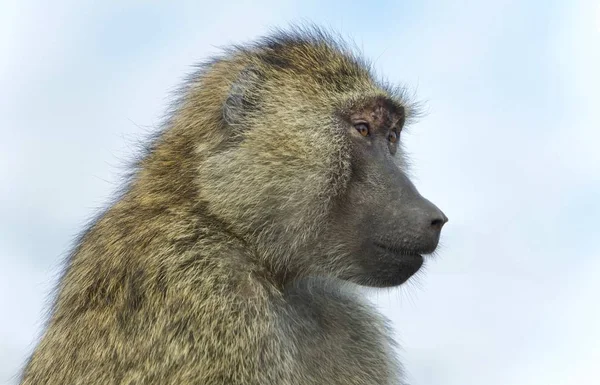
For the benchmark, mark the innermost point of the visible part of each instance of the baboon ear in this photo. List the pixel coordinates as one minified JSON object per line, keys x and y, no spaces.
{"x":242,"y":98}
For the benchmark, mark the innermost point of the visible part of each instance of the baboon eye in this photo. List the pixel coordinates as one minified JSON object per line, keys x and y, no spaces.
{"x":393,"y":137}
{"x":362,"y":128}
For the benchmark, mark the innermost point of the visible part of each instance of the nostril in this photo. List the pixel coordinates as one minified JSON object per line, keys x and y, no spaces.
{"x":438,"y":223}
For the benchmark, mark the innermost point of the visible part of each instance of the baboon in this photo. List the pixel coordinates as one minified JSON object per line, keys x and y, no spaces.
{"x":233,"y":255}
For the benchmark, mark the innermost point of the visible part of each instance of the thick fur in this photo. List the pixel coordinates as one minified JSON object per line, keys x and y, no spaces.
{"x":209,"y":268}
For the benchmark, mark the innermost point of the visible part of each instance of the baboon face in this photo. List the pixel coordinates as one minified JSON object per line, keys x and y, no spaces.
{"x":381,"y":225}
{"x":310,"y":172}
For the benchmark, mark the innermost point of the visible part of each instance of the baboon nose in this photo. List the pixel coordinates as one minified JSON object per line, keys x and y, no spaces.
{"x":438,"y":220}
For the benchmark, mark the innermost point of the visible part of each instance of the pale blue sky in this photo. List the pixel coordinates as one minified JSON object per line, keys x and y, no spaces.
{"x":509,"y":150}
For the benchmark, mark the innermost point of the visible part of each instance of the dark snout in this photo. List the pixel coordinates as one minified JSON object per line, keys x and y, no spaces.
{"x":391,"y":224}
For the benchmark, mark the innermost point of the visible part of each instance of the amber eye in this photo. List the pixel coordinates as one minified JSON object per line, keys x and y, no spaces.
{"x":393,"y":137}
{"x":362,"y":128}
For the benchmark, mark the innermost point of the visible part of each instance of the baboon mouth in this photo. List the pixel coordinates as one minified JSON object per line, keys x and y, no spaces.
{"x":398,"y":251}
{"x":392,"y":249}
{"x":393,"y":265}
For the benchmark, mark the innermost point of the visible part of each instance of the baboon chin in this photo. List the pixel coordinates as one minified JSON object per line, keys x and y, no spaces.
{"x":278,"y":177}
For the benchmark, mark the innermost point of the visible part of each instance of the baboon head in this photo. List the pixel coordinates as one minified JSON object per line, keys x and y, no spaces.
{"x":305,"y":163}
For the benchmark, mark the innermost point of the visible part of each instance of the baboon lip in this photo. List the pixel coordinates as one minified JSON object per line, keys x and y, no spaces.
{"x":399,"y":251}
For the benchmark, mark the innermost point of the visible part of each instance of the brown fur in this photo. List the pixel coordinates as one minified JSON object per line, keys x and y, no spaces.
{"x":202,"y":272}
